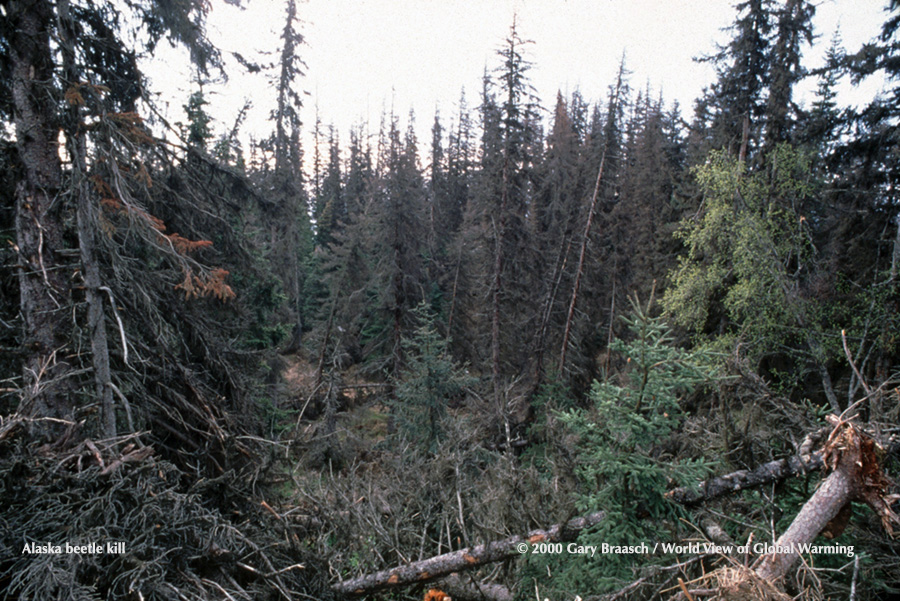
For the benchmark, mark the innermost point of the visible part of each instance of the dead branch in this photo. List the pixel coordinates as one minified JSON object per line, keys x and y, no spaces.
{"x":10,"y":424}
{"x":460,"y":589}
{"x":138,"y":454}
{"x":463,"y":559}
{"x":743,"y":479}
{"x":852,"y":363}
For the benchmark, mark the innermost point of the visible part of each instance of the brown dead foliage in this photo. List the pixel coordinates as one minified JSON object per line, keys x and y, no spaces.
{"x":742,"y":584}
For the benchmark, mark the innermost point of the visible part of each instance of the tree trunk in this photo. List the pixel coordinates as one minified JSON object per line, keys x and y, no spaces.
{"x":43,"y":280}
{"x":579,"y":271}
{"x":87,"y":225}
{"x":453,"y":293}
{"x":547,"y":310}
{"x":496,"y":293}
{"x":464,"y":559}
{"x":857,"y":475}
{"x":835,"y":492}
{"x":745,"y":138}
{"x":895,"y":253}
{"x":96,"y":320}
{"x":320,"y":364}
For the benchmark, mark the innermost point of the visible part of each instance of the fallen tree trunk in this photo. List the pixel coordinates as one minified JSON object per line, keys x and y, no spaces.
{"x":856,"y":474}
{"x":742,"y":479}
{"x":835,"y":492}
{"x":852,"y":457}
{"x":464,"y":559}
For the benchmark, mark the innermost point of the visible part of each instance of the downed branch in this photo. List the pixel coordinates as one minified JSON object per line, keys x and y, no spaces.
{"x":742,"y":479}
{"x":460,"y":590}
{"x":463,"y":559}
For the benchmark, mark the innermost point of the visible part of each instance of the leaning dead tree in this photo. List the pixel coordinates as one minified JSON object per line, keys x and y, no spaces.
{"x":853,"y":458}
{"x":464,"y":559}
{"x":588,"y":224}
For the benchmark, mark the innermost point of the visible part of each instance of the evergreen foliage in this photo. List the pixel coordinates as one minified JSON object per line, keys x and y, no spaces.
{"x":428,"y":383}
{"x":625,"y":453}
{"x":743,"y":67}
{"x":157,"y":288}
{"x":750,"y":256}
{"x":198,"y":131}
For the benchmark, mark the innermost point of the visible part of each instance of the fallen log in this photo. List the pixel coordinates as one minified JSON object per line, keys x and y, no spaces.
{"x":464,"y":559}
{"x":853,"y":460}
{"x":742,"y":479}
{"x":856,"y":475}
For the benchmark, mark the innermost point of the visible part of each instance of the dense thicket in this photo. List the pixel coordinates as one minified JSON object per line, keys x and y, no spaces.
{"x":401,"y":354}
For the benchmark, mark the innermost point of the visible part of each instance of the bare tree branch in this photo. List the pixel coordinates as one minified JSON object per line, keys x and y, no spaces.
{"x":464,"y":559}
{"x":743,"y":479}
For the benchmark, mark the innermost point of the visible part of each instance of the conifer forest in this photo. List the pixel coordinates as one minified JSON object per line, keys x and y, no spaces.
{"x":566,"y":348}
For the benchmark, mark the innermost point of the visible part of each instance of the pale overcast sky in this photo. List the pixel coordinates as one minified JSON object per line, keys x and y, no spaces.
{"x":363,"y":56}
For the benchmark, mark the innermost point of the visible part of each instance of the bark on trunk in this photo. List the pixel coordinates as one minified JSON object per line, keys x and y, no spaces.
{"x":464,"y":559}
{"x":43,"y":280}
{"x":87,"y":226}
{"x":856,"y":475}
{"x":96,"y":320}
{"x":742,"y":479}
{"x":835,"y":492}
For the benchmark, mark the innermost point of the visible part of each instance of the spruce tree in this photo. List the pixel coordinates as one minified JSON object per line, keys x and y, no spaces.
{"x":427,"y":384}
{"x":86,"y":72}
{"x":330,"y":210}
{"x":513,"y":253}
{"x":291,"y":229}
{"x":794,"y":26}
{"x":743,"y":67}
{"x":623,"y":464}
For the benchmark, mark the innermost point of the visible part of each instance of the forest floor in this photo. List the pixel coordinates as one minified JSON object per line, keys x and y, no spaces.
{"x":299,"y":379}
{"x":298,"y":375}
{"x":360,"y":419}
